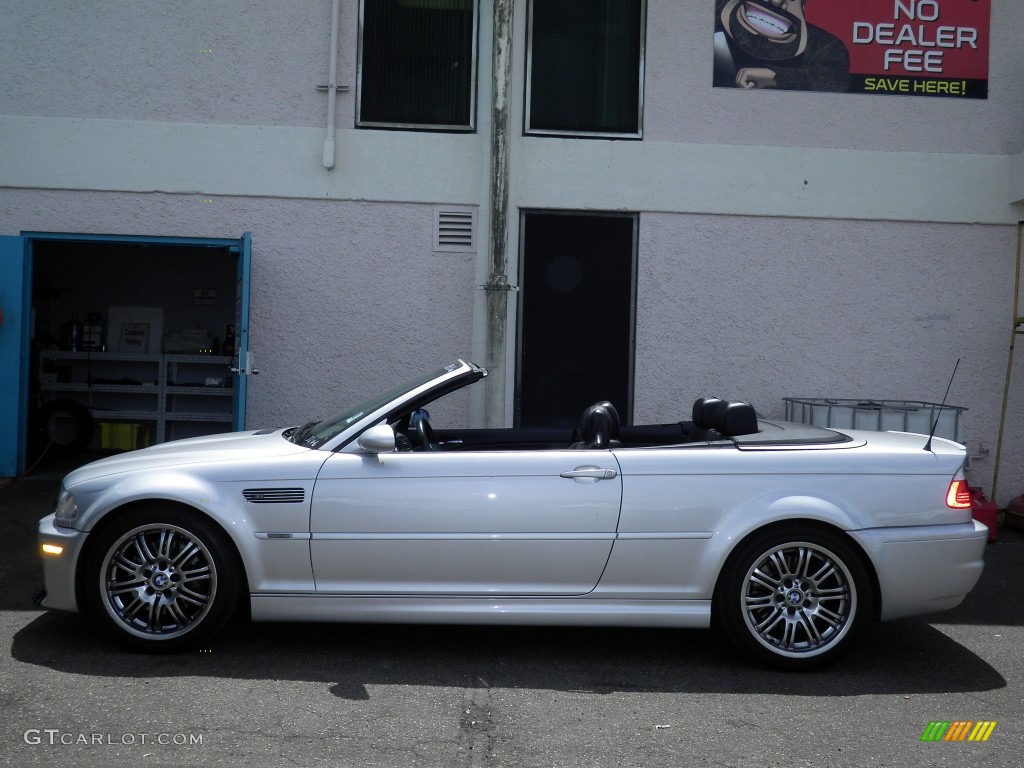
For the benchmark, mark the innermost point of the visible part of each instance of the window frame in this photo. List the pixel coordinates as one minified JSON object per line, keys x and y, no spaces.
{"x":469,"y":127}
{"x":566,"y":133}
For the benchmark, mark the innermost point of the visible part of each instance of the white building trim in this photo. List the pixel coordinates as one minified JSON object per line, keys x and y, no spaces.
{"x":275,"y":161}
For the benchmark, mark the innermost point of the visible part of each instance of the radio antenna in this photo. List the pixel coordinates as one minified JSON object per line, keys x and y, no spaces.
{"x":935,"y":424}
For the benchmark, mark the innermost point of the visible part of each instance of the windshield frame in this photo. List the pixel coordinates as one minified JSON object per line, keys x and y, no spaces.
{"x":337,"y":431}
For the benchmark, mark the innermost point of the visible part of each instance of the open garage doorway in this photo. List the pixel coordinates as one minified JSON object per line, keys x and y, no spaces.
{"x":576,"y":315}
{"x":130,"y":341}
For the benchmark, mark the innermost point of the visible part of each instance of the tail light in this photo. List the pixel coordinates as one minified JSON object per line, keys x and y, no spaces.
{"x":959,"y":495}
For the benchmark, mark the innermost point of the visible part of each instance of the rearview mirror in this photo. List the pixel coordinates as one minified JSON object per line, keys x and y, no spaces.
{"x":378,"y":439}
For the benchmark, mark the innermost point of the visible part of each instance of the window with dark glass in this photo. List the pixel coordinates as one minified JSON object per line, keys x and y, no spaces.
{"x":417,"y":64}
{"x":585,"y":65}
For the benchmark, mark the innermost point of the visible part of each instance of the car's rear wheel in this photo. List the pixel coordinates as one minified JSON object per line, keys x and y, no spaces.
{"x":162,"y":578}
{"x":794,"y":598}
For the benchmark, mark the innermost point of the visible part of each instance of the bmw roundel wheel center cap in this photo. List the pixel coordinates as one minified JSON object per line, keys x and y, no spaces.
{"x":160,"y":580}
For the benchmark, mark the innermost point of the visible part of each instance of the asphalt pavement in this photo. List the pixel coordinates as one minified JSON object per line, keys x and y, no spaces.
{"x":373,"y":695}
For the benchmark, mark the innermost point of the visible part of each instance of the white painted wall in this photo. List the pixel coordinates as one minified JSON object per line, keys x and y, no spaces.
{"x":765,"y":308}
{"x":147,"y":60}
{"x":347,"y":297}
{"x":791,"y":244}
{"x":240,"y":62}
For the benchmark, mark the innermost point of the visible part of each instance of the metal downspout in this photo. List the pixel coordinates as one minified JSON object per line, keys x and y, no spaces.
{"x":497,"y":287}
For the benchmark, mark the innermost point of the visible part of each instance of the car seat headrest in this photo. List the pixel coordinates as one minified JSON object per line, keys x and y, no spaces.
{"x":736,"y":418}
{"x":705,"y":412}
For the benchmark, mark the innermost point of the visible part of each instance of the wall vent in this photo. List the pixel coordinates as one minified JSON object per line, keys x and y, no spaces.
{"x":455,"y":228}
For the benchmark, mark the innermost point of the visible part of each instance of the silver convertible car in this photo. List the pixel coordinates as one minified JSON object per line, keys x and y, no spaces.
{"x":792,"y":538}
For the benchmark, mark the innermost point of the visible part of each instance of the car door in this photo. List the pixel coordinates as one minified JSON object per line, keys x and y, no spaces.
{"x":464,"y":522}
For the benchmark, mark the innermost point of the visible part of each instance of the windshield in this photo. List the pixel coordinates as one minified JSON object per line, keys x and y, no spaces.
{"x":315,"y":434}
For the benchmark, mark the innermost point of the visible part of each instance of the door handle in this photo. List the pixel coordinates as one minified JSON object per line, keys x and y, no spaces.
{"x":589,"y":473}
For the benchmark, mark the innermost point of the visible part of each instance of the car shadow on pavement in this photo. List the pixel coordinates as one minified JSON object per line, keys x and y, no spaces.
{"x":904,"y":657}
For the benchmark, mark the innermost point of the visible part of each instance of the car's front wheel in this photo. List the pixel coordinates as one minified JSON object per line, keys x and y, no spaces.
{"x":795,"y":598}
{"x":161,"y":578}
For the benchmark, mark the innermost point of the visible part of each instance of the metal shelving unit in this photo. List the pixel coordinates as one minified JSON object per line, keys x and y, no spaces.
{"x":167,"y":394}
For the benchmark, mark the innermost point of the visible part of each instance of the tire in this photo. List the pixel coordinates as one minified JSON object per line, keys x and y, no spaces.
{"x":794,"y":597}
{"x":62,"y":441}
{"x":161,"y":578}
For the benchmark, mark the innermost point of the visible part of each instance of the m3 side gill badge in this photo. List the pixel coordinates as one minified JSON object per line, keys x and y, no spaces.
{"x":274,"y":495}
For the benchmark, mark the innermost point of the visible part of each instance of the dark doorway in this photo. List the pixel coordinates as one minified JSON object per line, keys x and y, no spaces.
{"x":133,"y":340}
{"x":576,"y":316}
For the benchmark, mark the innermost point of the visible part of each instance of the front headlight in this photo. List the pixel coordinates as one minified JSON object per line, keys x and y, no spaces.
{"x":67,"y":508}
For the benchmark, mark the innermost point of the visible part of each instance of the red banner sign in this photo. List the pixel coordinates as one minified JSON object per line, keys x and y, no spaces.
{"x":902,"y":47}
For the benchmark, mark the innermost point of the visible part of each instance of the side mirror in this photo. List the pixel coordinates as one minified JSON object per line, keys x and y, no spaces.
{"x":378,"y":439}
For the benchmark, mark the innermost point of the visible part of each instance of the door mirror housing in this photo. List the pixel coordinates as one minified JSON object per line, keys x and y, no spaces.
{"x":377,"y":439}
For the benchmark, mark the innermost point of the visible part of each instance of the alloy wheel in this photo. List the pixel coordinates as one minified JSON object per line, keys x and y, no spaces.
{"x":158,"y":580}
{"x":798,"y":599}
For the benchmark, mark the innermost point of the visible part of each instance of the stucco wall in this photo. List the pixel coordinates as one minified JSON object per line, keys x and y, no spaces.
{"x":347,"y":298}
{"x":748,"y":308}
{"x":257,"y":62}
{"x":759,"y":309}
{"x":806,"y":244}
{"x":246,"y":62}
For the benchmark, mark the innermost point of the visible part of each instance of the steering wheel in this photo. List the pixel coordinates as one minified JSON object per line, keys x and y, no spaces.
{"x":420,"y":419}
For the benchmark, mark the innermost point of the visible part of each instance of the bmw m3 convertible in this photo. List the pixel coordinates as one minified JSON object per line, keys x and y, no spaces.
{"x":792,"y":538}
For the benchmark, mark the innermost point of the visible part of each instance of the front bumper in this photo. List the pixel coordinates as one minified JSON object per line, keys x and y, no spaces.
{"x":59,"y":570}
{"x":926,"y":568}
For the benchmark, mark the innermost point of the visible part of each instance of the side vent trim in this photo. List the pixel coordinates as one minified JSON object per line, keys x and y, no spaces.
{"x":275,"y":495}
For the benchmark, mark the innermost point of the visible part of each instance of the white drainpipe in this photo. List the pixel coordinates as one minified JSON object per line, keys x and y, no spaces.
{"x":332,"y":87}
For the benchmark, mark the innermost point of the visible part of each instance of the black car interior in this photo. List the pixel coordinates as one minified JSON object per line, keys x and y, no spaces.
{"x":712,"y":419}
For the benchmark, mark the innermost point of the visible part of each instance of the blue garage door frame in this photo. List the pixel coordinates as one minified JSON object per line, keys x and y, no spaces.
{"x":16,"y":306}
